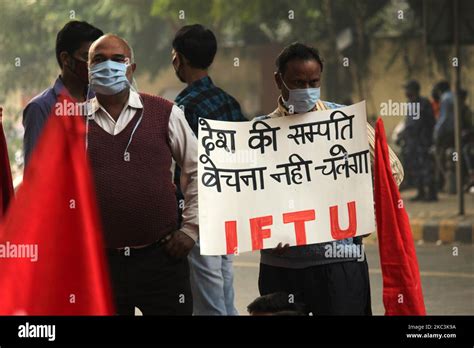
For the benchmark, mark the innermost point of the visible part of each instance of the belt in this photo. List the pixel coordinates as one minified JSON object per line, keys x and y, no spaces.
{"x":127,"y":251}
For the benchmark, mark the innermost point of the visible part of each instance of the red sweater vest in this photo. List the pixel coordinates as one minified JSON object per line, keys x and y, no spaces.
{"x":137,"y":198}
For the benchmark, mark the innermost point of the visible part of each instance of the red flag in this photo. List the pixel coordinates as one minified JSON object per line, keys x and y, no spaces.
{"x":402,"y":293}
{"x":55,"y":212}
{"x":6,"y":183}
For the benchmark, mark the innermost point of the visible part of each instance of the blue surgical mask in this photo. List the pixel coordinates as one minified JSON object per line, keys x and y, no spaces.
{"x":301,"y":100}
{"x":108,"y":77}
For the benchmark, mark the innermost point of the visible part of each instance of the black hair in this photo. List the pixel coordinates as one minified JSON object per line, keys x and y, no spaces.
{"x":443,"y":86}
{"x":275,"y":303}
{"x":297,"y":50}
{"x":73,"y":35}
{"x":435,"y":93}
{"x":413,"y":86}
{"x":197,"y":44}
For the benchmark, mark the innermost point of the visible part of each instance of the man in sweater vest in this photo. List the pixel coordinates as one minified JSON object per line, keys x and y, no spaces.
{"x":132,"y":138}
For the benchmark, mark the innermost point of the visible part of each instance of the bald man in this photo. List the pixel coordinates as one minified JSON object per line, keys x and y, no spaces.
{"x":132,"y":139}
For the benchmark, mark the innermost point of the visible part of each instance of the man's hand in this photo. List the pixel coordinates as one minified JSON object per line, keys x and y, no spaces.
{"x":179,"y":245}
{"x":279,"y":250}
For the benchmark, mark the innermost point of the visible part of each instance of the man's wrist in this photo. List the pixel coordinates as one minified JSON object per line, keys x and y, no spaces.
{"x":190,"y":233}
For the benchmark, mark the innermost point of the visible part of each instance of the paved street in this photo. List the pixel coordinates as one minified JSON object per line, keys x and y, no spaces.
{"x":445,"y":208}
{"x":448,"y":281}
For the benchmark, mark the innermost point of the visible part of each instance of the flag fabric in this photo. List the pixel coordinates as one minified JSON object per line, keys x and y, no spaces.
{"x":402,"y":291}
{"x":6,"y":183}
{"x":52,"y":259}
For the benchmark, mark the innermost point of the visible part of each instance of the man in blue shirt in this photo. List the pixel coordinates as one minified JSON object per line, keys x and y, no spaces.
{"x":443,"y":135}
{"x":194,"y":48}
{"x":444,"y":128}
{"x":72,"y":47}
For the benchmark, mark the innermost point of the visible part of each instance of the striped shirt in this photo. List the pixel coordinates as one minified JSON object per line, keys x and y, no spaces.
{"x":203,"y":99}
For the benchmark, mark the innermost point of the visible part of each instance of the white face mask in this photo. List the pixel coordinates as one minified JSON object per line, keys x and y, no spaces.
{"x":301,"y":100}
{"x":108,"y":77}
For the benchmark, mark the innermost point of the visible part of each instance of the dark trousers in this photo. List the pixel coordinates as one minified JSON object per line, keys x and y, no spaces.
{"x":151,"y":280}
{"x":340,"y":288}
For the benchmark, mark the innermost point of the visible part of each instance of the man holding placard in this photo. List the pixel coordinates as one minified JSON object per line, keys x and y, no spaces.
{"x":328,"y":285}
{"x":303,"y":180}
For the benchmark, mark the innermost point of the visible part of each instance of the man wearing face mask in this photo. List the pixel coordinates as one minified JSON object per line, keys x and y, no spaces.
{"x":131,"y":140}
{"x":72,"y":46}
{"x":194,"y":49}
{"x":327,"y":285}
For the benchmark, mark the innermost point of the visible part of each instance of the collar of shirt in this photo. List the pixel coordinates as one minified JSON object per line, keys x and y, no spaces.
{"x":446,"y":95}
{"x":60,"y":89}
{"x":281,"y":110}
{"x":204,"y":82}
{"x":103,"y":119}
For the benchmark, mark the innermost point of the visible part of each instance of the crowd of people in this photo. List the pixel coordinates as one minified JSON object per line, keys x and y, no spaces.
{"x":427,"y":142}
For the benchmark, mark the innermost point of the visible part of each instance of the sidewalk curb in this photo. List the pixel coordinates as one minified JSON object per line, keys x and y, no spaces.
{"x":445,"y":230}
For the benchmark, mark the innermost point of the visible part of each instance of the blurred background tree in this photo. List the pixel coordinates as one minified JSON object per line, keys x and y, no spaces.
{"x":381,"y":49}
{"x":29,"y":28}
